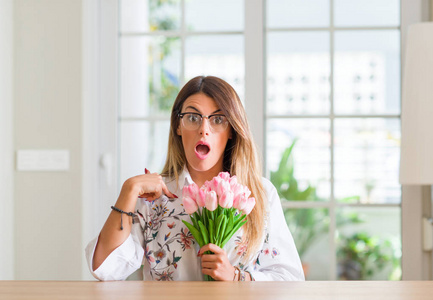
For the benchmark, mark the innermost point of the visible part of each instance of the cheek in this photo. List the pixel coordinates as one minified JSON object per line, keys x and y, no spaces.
{"x":187,"y":139}
{"x":222,"y":142}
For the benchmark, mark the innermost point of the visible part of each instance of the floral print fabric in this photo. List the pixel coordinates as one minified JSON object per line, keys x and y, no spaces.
{"x":169,"y":252}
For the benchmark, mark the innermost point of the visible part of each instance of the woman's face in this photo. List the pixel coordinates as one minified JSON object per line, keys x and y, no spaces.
{"x":204,"y":147}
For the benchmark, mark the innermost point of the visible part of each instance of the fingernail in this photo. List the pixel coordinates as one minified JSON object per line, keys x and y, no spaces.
{"x":198,"y":253}
{"x":146,"y":170}
{"x":175,"y":196}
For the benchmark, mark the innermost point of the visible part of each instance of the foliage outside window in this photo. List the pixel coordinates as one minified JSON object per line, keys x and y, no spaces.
{"x":360,"y":255}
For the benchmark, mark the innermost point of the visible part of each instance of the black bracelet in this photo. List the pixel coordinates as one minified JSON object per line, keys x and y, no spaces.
{"x":131,"y":214}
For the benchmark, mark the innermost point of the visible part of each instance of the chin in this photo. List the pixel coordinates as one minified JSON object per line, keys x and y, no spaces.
{"x":202,"y":165}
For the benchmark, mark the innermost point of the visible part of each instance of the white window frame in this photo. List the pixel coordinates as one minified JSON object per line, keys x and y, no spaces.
{"x":100,"y":119}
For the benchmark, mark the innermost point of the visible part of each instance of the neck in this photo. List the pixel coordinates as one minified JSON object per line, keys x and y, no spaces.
{"x":199,"y":177}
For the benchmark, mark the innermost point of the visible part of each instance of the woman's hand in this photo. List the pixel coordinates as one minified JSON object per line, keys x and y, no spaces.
{"x":216,"y":265}
{"x":149,"y":186}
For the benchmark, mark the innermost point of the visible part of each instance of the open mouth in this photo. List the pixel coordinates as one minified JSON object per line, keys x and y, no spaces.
{"x":202,"y":149}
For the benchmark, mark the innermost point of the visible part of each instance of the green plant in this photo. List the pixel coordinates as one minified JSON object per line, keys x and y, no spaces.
{"x":306,"y":224}
{"x":361,"y":256}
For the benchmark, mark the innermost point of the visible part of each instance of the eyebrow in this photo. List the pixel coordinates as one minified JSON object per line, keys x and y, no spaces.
{"x":192,"y":107}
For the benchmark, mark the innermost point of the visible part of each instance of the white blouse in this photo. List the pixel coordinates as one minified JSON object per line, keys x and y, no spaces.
{"x":164,"y":248}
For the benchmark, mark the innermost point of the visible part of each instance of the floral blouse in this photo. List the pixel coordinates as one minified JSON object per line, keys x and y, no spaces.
{"x":161,"y":247}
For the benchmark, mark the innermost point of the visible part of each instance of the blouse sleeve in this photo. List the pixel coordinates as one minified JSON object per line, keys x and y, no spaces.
{"x":123,"y":261}
{"x":278,"y":259}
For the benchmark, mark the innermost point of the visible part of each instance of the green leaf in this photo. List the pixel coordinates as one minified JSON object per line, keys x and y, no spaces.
{"x":231,"y":221}
{"x":223,"y":228}
{"x":195,"y":233}
{"x":211,"y":231}
{"x":239,"y":220}
{"x":230,"y":234}
{"x":194,"y":221}
{"x":218,"y":227}
{"x":204,"y":233}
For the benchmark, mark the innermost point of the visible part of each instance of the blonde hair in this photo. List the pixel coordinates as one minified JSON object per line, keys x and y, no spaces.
{"x":240,"y":155}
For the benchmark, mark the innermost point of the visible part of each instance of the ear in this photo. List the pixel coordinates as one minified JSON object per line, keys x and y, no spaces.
{"x":178,"y":130}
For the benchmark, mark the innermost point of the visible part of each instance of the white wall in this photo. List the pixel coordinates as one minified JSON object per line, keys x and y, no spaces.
{"x":6,"y":154}
{"x":47,"y":115}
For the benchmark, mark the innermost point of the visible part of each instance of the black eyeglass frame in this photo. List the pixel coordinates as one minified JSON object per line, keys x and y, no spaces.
{"x":181,"y":115}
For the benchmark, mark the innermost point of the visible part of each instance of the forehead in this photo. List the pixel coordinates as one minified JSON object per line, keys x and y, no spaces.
{"x":202,"y":102}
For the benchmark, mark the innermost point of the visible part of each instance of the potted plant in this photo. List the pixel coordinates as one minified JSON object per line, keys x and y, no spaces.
{"x":361,"y":256}
{"x":306,"y":225}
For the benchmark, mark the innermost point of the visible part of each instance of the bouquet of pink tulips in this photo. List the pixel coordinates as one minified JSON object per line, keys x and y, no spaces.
{"x":217,"y":209}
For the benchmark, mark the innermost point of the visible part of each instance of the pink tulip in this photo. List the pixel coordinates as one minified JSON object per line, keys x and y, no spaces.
{"x":247,"y":192}
{"x":211,"y":202}
{"x":224,"y":176}
{"x":189,"y":205}
{"x":223,"y":186}
{"x":201,"y":196}
{"x":226,"y":200}
{"x":240,"y":192}
{"x":249,"y":205}
{"x":205,"y":184}
{"x":185,"y":191}
{"x":237,"y":194}
{"x":233,"y":181}
{"x":242,"y":203}
{"x":193,"y":190}
{"x":213,"y":184}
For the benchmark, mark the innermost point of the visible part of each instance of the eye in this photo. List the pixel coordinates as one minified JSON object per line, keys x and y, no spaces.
{"x":193,"y":118}
{"x":218,"y":120}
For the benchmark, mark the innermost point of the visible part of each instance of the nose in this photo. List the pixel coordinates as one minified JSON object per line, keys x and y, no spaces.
{"x":205,"y":127}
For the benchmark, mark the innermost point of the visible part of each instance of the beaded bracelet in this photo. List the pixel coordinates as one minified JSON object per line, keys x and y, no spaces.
{"x":236,"y":273}
{"x":131,"y":214}
{"x":242,"y":275}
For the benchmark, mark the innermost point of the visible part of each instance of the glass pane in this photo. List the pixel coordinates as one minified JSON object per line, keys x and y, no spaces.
{"x":310,"y":231}
{"x":149,"y":75}
{"x":214,"y":15}
{"x":367,"y":12}
{"x":363,"y":251}
{"x":298,"y":70}
{"x":151,"y":15}
{"x":217,"y":55}
{"x":367,"y":155}
{"x":301,"y":172}
{"x":142,"y":145}
{"x":297,"y":13}
{"x":367,"y":72}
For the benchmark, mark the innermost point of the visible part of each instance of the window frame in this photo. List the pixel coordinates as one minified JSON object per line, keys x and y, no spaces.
{"x":100,"y":118}
{"x":332,"y":205}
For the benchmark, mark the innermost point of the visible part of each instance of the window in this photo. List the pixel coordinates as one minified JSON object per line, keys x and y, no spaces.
{"x":163,"y":44}
{"x":331,"y":117}
{"x":333,"y":132}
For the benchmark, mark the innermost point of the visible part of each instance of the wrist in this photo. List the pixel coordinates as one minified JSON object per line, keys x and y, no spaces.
{"x":236,"y":274}
{"x":128,"y":197}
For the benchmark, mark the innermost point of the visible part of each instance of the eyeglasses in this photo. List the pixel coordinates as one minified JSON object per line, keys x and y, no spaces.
{"x":193,"y":121}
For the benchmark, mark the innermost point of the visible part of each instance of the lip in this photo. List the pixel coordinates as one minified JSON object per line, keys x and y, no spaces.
{"x":201,"y":156}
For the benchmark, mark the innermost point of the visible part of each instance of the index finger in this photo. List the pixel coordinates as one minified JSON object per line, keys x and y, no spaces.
{"x":167,"y":192}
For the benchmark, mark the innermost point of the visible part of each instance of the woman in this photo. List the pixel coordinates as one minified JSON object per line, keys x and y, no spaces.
{"x":209,"y":133}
